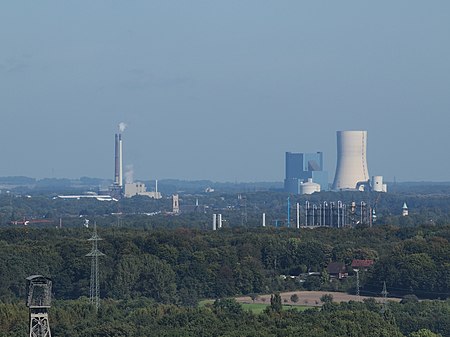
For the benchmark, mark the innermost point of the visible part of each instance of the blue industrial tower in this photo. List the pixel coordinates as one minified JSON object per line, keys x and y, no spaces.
{"x":300,"y":167}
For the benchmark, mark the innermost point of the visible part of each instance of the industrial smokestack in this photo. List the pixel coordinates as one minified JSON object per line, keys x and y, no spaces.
{"x":116,"y":160}
{"x":120,"y":161}
{"x":118,"y":156}
{"x":351,"y":167}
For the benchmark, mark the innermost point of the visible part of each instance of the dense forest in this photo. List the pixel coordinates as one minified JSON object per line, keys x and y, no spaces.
{"x":181,"y":266}
{"x":164,"y":273}
{"x":225,"y":317}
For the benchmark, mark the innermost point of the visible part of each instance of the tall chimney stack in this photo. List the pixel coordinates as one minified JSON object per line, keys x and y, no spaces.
{"x":120,"y":161}
{"x":116,"y":160}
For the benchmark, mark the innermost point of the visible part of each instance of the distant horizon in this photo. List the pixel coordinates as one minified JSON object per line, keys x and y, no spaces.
{"x":213,"y":181}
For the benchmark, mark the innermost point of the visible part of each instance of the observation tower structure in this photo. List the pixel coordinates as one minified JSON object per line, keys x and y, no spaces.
{"x":39,"y":297}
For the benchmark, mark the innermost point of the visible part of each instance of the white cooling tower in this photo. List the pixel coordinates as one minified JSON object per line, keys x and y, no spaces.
{"x":351,"y":167}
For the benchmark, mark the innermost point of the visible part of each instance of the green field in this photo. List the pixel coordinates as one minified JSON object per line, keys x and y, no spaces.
{"x":202,"y":303}
{"x":257,"y":308}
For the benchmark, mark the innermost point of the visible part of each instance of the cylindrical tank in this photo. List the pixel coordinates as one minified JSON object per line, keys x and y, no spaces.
{"x":351,"y":166}
{"x":214,"y":222}
{"x":309,"y":187}
{"x":377,"y":183}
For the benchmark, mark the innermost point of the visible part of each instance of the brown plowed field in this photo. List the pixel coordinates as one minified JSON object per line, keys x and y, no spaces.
{"x":310,"y":298}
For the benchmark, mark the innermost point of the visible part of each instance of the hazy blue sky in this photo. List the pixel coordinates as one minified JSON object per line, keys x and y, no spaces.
{"x":221,"y":89}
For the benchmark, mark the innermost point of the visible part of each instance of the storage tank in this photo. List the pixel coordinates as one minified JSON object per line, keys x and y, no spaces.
{"x":309,"y":187}
{"x":377,"y":183}
{"x":351,"y":166}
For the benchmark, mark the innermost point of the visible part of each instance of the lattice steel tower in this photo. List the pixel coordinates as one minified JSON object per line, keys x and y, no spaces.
{"x":39,"y":297}
{"x":94,"y":292}
{"x":384,"y":293}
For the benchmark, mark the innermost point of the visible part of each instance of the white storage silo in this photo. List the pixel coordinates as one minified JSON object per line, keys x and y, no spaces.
{"x":351,"y":166}
{"x":309,"y":187}
{"x":377,"y":183}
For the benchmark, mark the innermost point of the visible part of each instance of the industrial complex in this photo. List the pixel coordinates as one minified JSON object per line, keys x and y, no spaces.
{"x":305,"y":174}
{"x":130,"y":188}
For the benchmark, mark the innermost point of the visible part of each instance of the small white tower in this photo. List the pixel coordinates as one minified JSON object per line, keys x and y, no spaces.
{"x":214,"y":221}
{"x":404,"y":209}
{"x":175,"y":204}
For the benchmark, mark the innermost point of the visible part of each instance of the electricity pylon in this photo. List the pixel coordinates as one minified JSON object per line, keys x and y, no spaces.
{"x":94,"y":292}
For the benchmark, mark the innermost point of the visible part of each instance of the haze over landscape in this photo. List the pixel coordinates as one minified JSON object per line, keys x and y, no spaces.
{"x":220,"y":90}
{"x":224,"y":168}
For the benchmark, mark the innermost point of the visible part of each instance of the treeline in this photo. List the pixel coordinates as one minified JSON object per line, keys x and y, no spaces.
{"x":238,"y":209}
{"x":143,"y":318}
{"x":182,"y":266}
{"x":245,"y":209}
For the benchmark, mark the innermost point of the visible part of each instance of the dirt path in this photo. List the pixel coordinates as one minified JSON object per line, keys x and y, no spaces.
{"x":310,"y":298}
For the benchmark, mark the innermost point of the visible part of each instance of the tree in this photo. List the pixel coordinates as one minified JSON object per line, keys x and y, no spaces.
{"x":275,"y":303}
{"x":229,"y":306}
{"x":327,"y":298}
{"x":409,"y":299}
{"x":294,"y":298}
{"x":424,"y":333}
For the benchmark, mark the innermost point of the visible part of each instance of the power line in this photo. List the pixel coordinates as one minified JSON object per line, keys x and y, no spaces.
{"x":408,"y":290}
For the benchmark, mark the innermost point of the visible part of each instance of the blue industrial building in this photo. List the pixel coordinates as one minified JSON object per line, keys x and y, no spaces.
{"x":300,"y":167}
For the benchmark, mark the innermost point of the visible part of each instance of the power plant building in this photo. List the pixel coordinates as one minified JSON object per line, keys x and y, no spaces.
{"x":300,"y":167}
{"x":132,"y":189}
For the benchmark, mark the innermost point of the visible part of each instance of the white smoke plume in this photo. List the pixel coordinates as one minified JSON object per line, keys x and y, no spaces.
{"x":122,"y":127}
{"x":129,"y":174}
